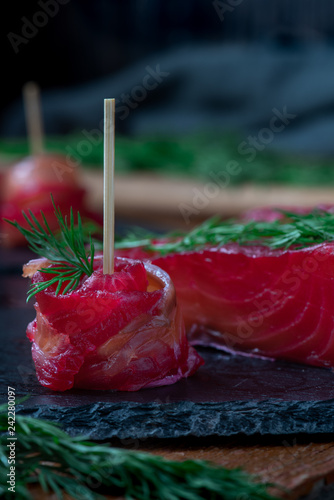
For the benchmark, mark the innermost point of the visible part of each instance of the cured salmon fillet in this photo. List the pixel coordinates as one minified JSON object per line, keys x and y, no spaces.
{"x":256,"y":300}
{"x":122,"y":331}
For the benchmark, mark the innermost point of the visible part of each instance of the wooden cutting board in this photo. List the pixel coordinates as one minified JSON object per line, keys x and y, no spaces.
{"x":183,"y":202}
{"x":296,"y":467}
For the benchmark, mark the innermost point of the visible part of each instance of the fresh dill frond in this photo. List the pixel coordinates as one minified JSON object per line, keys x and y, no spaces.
{"x":66,"y":247}
{"x":59,"y":463}
{"x":293,"y":230}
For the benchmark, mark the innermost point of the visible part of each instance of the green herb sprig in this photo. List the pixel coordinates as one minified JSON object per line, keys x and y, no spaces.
{"x":46,"y":455}
{"x":294,"y":230}
{"x":67,"y":248}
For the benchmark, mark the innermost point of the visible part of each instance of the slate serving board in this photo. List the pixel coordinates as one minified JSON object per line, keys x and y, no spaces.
{"x":229,"y":395}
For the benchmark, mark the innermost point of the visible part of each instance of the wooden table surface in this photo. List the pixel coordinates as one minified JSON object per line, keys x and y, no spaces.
{"x":297,"y":464}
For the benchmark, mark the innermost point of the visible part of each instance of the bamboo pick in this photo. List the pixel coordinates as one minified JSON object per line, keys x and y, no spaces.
{"x":108,"y":195}
{"x":33,"y":114}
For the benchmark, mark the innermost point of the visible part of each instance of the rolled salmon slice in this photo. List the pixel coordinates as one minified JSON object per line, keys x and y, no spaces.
{"x":123,"y":331}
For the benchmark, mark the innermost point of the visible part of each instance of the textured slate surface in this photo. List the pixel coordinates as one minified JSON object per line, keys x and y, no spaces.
{"x":229,"y":395}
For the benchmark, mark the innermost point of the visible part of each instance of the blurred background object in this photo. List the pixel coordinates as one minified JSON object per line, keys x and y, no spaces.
{"x":234,"y":92}
{"x":175,"y":67}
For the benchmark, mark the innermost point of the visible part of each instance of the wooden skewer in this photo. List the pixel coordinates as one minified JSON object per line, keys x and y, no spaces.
{"x":108,"y":195}
{"x":33,"y":113}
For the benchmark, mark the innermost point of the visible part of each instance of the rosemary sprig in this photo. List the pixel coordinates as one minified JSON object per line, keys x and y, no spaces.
{"x":294,"y":230}
{"x":67,"y":248}
{"x":46,"y":455}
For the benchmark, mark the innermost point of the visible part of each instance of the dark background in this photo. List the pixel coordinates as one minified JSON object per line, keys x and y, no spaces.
{"x":246,"y":56}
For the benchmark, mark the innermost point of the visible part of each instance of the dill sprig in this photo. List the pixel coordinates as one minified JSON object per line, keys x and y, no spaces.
{"x":293,"y":230}
{"x":59,"y":463}
{"x":67,"y":249}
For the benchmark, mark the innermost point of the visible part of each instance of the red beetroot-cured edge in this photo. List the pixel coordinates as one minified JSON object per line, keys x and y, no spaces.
{"x":111,"y":333}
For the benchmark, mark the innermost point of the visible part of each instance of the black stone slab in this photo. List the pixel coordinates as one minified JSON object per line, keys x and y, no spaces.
{"x":229,"y":395}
